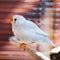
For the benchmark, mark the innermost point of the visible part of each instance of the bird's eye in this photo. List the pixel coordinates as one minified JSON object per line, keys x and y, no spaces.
{"x":15,"y":19}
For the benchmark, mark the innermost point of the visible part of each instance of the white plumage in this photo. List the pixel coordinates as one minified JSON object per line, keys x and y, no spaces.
{"x":28,"y":32}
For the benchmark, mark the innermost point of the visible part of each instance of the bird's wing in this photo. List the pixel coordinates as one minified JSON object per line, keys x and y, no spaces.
{"x":34,"y":32}
{"x":33,"y":27}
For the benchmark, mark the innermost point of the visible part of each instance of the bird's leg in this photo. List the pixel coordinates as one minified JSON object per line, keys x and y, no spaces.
{"x":51,"y":47}
{"x":23,"y":45}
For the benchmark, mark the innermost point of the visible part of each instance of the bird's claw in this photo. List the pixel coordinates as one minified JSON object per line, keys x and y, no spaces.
{"x":23,"y":45}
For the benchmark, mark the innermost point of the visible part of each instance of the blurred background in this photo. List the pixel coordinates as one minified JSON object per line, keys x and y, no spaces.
{"x":44,"y":13}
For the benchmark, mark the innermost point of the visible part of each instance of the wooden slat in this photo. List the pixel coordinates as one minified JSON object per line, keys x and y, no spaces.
{"x":19,"y":1}
{"x":17,"y":57}
{"x":5,"y":25}
{"x":19,"y":6}
{"x":2,"y":42}
{"x":8,"y":34}
{"x":56,"y":6}
{"x":12,"y":52}
{"x":57,"y":17}
{"x":8,"y":46}
{"x":57,"y":22}
{"x":6,"y":28}
{"x":9,"y":0}
{"x":11,"y":5}
{"x":57,"y":0}
{"x":57,"y":11}
{"x":5,"y":36}
{"x":57,"y":27}
{"x":17,"y":11}
{"x":4,"y":31}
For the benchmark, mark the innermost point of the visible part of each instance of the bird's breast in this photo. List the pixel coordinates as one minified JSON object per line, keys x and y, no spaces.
{"x":19,"y":33}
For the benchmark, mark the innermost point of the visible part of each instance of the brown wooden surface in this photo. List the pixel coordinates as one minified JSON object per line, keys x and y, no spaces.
{"x":8,"y":51}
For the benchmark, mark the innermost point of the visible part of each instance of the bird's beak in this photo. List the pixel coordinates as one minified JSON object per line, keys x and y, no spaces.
{"x":10,"y":19}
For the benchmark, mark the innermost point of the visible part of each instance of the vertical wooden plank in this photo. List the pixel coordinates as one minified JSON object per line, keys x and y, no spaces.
{"x":48,"y":19}
{"x":57,"y":22}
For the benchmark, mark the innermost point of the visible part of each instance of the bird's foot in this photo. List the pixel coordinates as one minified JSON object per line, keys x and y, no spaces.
{"x":23,"y":45}
{"x":51,"y":47}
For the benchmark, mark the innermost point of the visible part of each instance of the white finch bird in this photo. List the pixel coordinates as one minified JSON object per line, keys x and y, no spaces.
{"x":29,"y":33}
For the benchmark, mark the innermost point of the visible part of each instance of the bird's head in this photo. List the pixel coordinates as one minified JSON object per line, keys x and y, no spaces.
{"x":16,"y":19}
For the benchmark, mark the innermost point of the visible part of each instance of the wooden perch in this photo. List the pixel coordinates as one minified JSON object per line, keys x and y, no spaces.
{"x":36,"y":54}
{"x":32,"y":51}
